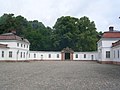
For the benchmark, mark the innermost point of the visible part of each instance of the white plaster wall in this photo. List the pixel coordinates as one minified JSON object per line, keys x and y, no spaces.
{"x":13,"y":44}
{"x":88,"y":55}
{"x":24,"y":56}
{"x":5,"y":54}
{"x":44,"y":55}
{"x":105,"y":44}
{"x":16,"y":50}
{"x":104,"y":54}
{"x":116,"y":58}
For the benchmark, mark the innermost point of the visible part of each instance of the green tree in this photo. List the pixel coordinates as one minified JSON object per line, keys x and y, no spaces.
{"x":64,"y":30}
{"x":7,"y":23}
{"x":78,"y":34}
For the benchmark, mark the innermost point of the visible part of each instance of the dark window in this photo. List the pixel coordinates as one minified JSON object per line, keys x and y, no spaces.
{"x":107,"y":54}
{"x":57,"y":55}
{"x":49,"y":56}
{"x":10,"y":54}
{"x":34,"y":55}
{"x":2,"y":53}
{"x":24,"y":54}
{"x":21,"y":54}
{"x":24,"y":45}
{"x":18,"y":44}
{"x":76,"y":55}
{"x":118,"y":54}
{"x":84,"y":55}
{"x":114,"y":54}
{"x":29,"y":55}
{"x":21,"y":45}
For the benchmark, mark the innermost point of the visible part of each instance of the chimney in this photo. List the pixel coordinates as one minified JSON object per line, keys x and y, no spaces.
{"x":111,"y":28}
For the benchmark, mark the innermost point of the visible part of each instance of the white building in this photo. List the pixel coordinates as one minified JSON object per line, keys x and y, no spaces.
{"x":105,"y":48}
{"x":116,"y":52}
{"x":15,"y":48}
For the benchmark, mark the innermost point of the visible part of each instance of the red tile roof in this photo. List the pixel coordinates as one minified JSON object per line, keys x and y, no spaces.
{"x":116,"y":43}
{"x":111,"y":35}
{"x":11,"y":36}
{"x":3,"y":46}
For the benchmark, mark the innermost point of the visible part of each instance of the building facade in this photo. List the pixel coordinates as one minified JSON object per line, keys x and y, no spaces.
{"x":105,"y":46}
{"x":15,"y":48}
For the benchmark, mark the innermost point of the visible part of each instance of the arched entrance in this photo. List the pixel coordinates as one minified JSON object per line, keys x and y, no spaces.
{"x":67,"y":54}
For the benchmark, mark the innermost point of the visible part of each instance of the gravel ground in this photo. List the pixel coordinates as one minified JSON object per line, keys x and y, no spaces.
{"x":59,"y":75}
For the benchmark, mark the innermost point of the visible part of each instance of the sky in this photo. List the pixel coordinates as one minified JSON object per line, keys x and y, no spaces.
{"x":104,"y":13}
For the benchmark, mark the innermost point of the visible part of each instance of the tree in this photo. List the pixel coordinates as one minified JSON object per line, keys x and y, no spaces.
{"x":75,"y":33}
{"x":64,"y":30}
{"x":7,"y":23}
{"x":88,"y":34}
{"x":78,"y":34}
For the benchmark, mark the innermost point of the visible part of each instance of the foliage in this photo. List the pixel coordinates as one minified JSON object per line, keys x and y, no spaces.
{"x":78,"y":34}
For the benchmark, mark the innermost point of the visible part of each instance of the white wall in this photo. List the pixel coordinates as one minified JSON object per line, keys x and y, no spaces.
{"x":15,"y":49}
{"x":89,"y":55}
{"x":116,"y":53}
{"x":44,"y":55}
{"x":5,"y":54}
{"x":13,"y":44}
{"x":105,"y":44}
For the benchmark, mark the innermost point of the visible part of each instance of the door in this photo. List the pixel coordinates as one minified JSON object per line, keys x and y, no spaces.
{"x":92,"y":57}
{"x":67,"y":56}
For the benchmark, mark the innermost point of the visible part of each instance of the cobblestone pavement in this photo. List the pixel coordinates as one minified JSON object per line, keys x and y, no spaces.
{"x":59,"y":75}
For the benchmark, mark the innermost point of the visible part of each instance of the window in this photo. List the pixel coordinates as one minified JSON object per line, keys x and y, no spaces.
{"x":24,"y":45}
{"x":107,"y":54}
{"x":49,"y":56}
{"x":76,"y":56}
{"x":118,"y":54}
{"x":114,"y":54}
{"x":34,"y":55}
{"x":84,"y":55}
{"x":24,"y":54}
{"x":57,"y":55}
{"x":21,"y":54}
{"x":2,"y":53}
{"x":29,"y":55}
{"x":41,"y":57}
{"x":18,"y":44}
{"x":21,"y":45}
{"x":10,"y":54}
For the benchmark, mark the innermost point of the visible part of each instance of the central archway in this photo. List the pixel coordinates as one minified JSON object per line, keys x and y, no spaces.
{"x":67,"y":54}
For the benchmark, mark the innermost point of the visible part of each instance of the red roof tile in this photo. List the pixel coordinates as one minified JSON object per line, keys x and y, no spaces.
{"x":11,"y":36}
{"x":116,"y":43}
{"x":111,"y":35}
{"x":3,"y":46}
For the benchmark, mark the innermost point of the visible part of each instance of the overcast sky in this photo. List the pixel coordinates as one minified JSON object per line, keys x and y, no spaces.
{"x":104,"y":12}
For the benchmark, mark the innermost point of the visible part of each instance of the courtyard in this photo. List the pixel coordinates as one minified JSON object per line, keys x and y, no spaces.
{"x":59,"y":75}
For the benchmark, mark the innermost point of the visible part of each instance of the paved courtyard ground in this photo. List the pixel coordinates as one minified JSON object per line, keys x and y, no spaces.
{"x":59,"y":75}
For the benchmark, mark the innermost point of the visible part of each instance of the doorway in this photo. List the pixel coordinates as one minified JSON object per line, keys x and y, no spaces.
{"x":67,"y":56}
{"x":92,"y":57}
